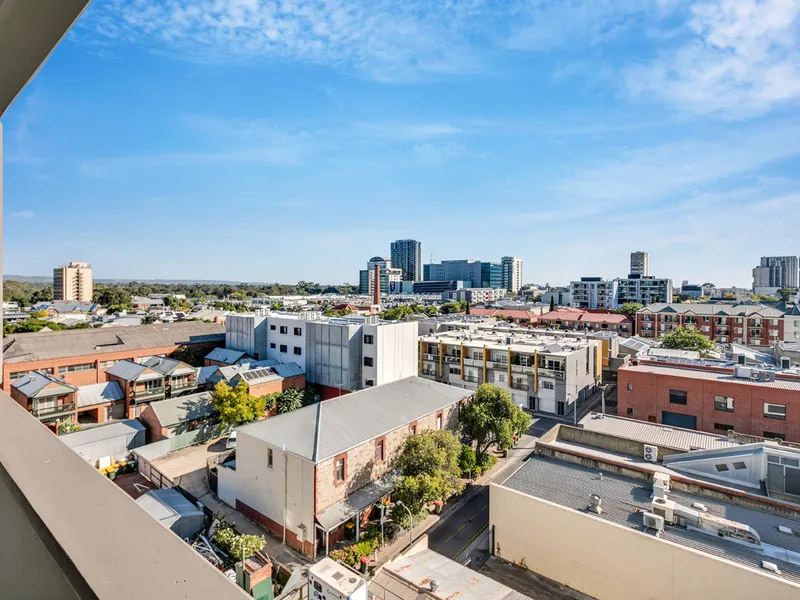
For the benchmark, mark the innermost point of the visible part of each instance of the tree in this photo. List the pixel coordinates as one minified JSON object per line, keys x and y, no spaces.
{"x":40,"y":314}
{"x":467,"y":461}
{"x":552,"y":303}
{"x":686,"y":338}
{"x":466,"y":309}
{"x":290,"y":400}
{"x":309,"y":395}
{"x":237,"y":546}
{"x":113,"y":296}
{"x":429,"y":465}
{"x":148,"y":319}
{"x":629,"y":309}
{"x":235,"y":405}
{"x":492,"y":418}
{"x":395,"y":314}
{"x":786,"y":294}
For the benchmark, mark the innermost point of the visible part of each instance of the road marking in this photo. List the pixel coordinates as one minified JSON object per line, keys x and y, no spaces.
{"x":448,"y":539}
{"x":484,"y":507}
{"x":472,"y":539}
{"x":462,"y":526}
{"x":472,"y":517}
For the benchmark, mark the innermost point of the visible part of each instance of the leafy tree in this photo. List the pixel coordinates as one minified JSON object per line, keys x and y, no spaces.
{"x":290,"y":400}
{"x":686,"y":338}
{"x":552,"y":303}
{"x":113,"y":296}
{"x":492,"y":418}
{"x":452,"y":307}
{"x":395,"y":314}
{"x":467,"y":461}
{"x":309,"y":395}
{"x":429,"y":465}
{"x":629,"y":309}
{"x":229,"y":540}
{"x":235,"y":405}
{"x":148,"y":320}
{"x":765,"y":298}
{"x":40,"y":314}
{"x":786,"y":293}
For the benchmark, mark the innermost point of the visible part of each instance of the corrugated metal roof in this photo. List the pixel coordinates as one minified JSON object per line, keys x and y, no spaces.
{"x":182,"y":409}
{"x":169,"y":366}
{"x":677,"y":371}
{"x":101,"y":432}
{"x":570,"y":485}
{"x":352,"y":419}
{"x":654,"y":433}
{"x":23,"y":347}
{"x":730,"y":310}
{"x":225,"y":355}
{"x":34,"y":382}
{"x":99,"y":393}
{"x":126,"y":369}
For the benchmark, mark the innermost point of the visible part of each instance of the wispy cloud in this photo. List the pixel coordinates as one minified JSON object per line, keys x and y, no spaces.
{"x":741,"y":59}
{"x":437,"y":154}
{"x":23,"y":214}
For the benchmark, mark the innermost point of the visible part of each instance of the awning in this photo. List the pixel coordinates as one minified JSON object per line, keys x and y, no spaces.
{"x":343,"y":511}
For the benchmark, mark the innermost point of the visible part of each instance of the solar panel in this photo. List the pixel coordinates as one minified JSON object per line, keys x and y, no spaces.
{"x":257,"y":374}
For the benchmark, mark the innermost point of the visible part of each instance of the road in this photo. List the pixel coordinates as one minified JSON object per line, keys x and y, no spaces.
{"x":456,"y":534}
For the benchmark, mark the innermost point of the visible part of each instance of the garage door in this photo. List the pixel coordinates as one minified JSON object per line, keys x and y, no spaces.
{"x":678,"y":420}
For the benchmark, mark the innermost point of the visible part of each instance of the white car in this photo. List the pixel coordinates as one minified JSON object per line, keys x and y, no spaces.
{"x":230,"y":443}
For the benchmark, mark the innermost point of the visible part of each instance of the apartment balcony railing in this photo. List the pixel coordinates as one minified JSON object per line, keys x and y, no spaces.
{"x":473,"y":362}
{"x":429,"y":373}
{"x":521,"y":369}
{"x":472,"y":378}
{"x":452,"y":359}
{"x":520,"y":386}
{"x":48,"y":412}
{"x":551,"y":373}
{"x":182,"y":387}
{"x":433,"y":357}
{"x":149,"y":395}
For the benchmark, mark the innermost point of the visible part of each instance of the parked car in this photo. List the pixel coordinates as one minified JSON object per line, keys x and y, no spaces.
{"x":230,"y":443}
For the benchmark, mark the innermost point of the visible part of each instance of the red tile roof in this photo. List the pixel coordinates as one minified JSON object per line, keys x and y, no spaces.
{"x":522,"y":315}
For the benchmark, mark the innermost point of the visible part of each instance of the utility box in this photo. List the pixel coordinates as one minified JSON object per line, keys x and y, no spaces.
{"x":329,"y":580}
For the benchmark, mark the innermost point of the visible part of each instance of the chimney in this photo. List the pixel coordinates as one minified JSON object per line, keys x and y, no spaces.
{"x":376,"y":298}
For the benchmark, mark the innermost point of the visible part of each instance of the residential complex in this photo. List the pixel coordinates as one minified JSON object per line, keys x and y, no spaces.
{"x":338,"y":355}
{"x":512,"y":273}
{"x":749,"y":324}
{"x":560,"y":296}
{"x":594,"y":292}
{"x":73,"y":282}
{"x":475,"y":295}
{"x":544,"y":371}
{"x":584,"y":320}
{"x":776,"y":272}
{"x":406,"y":255}
{"x":303,"y":475}
{"x":640,"y":263}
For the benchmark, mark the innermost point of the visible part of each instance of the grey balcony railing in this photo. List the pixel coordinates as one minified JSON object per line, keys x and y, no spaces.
{"x":148,"y":394}
{"x":48,"y":412}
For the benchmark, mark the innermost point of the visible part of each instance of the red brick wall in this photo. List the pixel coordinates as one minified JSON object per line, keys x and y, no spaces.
{"x":272,"y":387}
{"x":327,"y":393}
{"x":275,"y":529}
{"x":649,"y":396}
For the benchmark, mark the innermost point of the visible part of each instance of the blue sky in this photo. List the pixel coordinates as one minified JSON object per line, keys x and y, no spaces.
{"x":284,"y":140}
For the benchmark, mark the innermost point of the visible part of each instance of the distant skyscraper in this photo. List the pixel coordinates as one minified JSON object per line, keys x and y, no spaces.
{"x":512,"y":273}
{"x":73,"y":282}
{"x":640,"y":263}
{"x":407,"y":256}
{"x":776,"y":272}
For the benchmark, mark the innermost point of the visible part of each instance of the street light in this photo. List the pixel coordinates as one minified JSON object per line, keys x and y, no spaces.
{"x":410,"y":521}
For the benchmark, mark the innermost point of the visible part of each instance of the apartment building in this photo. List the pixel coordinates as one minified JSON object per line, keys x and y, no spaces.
{"x":511,"y":273}
{"x":594,"y":292}
{"x":560,"y":296}
{"x":338,"y":355}
{"x":712,"y":396}
{"x":82,"y":356}
{"x":545,"y":372}
{"x":776,"y":272}
{"x":577,"y":319}
{"x":750,"y":324}
{"x":640,"y":263}
{"x":73,"y":282}
{"x":406,"y":255}
{"x":643,"y":289}
{"x":261,"y":377}
{"x":305,"y":474}
{"x":474,"y":295}
{"x":152,"y":380}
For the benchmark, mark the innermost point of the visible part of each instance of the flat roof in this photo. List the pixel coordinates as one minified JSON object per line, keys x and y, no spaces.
{"x":570,"y":485}
{"x":519,"y":340}
{"x":654,"y":433}
{"x":678,"y":371}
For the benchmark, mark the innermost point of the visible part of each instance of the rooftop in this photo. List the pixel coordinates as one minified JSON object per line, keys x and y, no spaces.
{"x":226,"y":355}
{"x":99,"y":393}
{"x":677,"y":370}
{"x":106,"y":431}
{"x":24,"y":347}
{"x":518,"y":340}
{"x":654,"y":433}
{"x":325,"y":429}
{"x":35,"y":382}
{"x":182,"y":409}
{"x":723,"y":310}
{"x":570,"y":485}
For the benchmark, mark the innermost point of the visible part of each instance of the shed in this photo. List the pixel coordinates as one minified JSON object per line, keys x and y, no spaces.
{"x":113,"y":440}
{"x":170,"y":508}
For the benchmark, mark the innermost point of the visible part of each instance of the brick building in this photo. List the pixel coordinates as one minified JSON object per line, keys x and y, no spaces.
{"x":582,"y":320}
{"x":305,"y":474}
{"x":82,"y":356}
{"x":153,"y":380}
{"x":750,"y":324}
{"x":712,"y":398}
{"x":261,"y":377}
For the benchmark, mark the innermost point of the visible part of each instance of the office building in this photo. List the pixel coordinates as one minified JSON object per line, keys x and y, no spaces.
{"x":491,"y":275}
{"x":512,"y":273}
{"x":640,"y":263}
{"x":406,"y":255}
{"x":776,"y":272}
{"x":388,"y":275}
{"x":543,"y":371}
{"x":594,"y":292}
{"x":474,"y":295}
{"x":73,"y":282}
{"x":644,"y":289}
{"x":439,"y":286}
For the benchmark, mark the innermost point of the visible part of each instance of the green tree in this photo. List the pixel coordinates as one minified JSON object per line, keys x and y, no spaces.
{"x":397,"y":313}
{"x":786,"y":293}
{"x":467,"y":461}
{"x":492,"y":418}
{"x":629,"y":309}
{"x":429,"y":465}
{"x":40,"y":314}
{"x":686,"y":338}
{"x":452,"y":307}
{"x":230,"y":541}
{"x":235,"y":405}
{"x":552,"y":303}
{"x":113,"y":296}
{"x":290,"y":400}
{"x":148,"y":319}
{"x":309,"y":395}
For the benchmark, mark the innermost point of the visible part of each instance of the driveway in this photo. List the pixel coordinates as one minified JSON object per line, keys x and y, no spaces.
{"x":187,"y":467}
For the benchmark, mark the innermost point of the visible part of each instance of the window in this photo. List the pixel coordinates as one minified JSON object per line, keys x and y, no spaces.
{"x":547,"y":385}
{"x":153,"y":384}
{"x":739,"y":466}
{"x":774,"y":436}
{"x":284,"y":329}
{"x":340,"y":469}
{"x":439,"y":419}
{"x":677,"y":397}
{"x":723,"y":427}
{"x":723,"y":403}
{"x":272,"y":345}
{"x":81,"y":367}
{"x":455,"y":370}
{"x":721,"y":468}
{"x":412,"y":429}
{"x":790,"y":462}
{"x":298,"y":350}
{"x":298,"y":331}
{"x":369,"y":361}
{"x":18,"y":375}
{"x":272,"y":327}
{"x":770,"y":457}
{"x":380,"y":450}
{"x":284,"y":349}
{"x":775,"y":411}
{"x":108,"y":363}
{"x":630,"y":412}
{"x":369,"y":339}
{"x":369,"y":382}
{"x":630,"y":387}
{"x":269,"y":457}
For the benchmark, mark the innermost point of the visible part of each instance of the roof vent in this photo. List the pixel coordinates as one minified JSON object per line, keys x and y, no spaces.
{"x":434,"y":585}
{"x":784,"y":529}
{"x":594,"y":504}
{"x":770,"y":566}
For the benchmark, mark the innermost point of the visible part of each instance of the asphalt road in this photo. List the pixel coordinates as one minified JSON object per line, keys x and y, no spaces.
{"x":461,"y":527}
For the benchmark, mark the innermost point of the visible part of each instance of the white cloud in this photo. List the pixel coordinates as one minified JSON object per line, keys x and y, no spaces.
{"x":23,"y":214}
{"x":742,"y":60}
{"x":437,"y":154}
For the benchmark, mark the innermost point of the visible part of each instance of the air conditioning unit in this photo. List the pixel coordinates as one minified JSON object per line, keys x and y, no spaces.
{"x":650,"y":453}
{"x":652,"y":521}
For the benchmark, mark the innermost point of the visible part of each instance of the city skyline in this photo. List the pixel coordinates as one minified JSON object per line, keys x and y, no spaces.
{"x":479,"y":130}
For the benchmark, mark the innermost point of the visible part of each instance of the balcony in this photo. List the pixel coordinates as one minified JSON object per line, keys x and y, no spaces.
{"x":472,"y":378}
{"x":431,"y":357}
{"x":474,"y":362}
{"x":429,"y":373}
{"x":551,"y":373}
{"x":452,"y":359}
{"x":50,"y":412}
{"x":521,"y":369}
{"x":148,"y":395}
{"x":520,"y":386}
{"x":185,"y":386}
